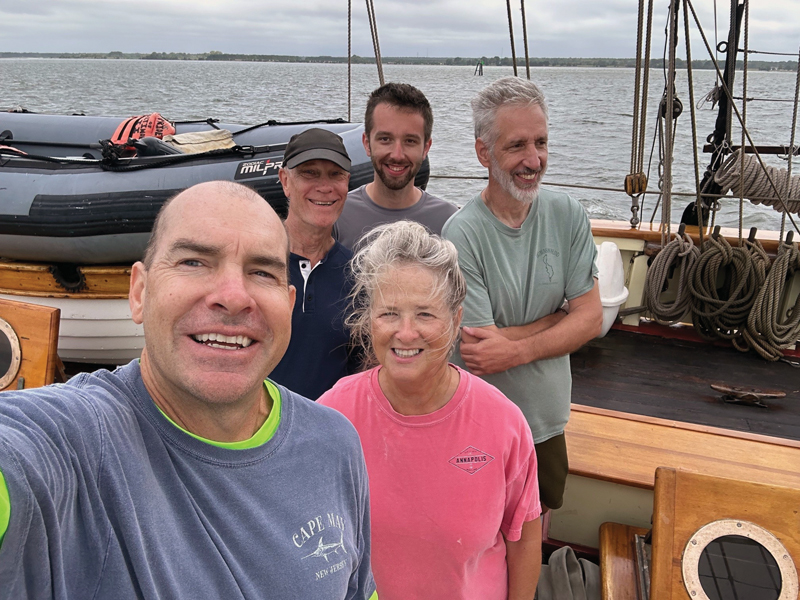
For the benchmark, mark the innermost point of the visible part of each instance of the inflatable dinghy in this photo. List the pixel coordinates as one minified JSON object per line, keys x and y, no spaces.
{"x":69,"y":194}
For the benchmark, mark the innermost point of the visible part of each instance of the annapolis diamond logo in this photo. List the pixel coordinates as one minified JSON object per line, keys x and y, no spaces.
{"x":471,"y":460}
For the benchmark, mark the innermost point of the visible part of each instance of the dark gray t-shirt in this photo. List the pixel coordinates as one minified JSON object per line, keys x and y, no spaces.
{"x":361,"y":214}
{"x":109,"y":499}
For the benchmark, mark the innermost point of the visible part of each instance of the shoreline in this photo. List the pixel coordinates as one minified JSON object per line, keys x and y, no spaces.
{"x":495,"y":61}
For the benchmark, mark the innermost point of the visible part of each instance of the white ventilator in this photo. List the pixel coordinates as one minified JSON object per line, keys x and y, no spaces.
{"x":611,"y":281}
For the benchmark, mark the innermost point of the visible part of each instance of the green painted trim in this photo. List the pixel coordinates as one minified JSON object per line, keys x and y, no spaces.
{"x":262,"y":436}
{"x":5,"y":507}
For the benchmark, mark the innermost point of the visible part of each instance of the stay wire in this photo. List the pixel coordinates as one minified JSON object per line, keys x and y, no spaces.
{"x":693,"y":113}
{"x":525,"y":39}
{"x":349,"y":60}
{"x":511,"y":35}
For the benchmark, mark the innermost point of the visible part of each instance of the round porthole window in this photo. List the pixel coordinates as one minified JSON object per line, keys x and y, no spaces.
{"x":730,"y":560}
{"x":10,"y":354}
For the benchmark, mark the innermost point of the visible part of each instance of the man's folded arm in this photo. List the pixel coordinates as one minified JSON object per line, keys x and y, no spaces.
{"x":491,"y":349}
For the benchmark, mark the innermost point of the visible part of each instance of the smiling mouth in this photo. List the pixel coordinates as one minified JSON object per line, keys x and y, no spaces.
{"x":396,"y":169}
{"x":528,"y":177}
{"x":406,"y":353}
{"x":223,"y":342}
{"x":320,"y":203}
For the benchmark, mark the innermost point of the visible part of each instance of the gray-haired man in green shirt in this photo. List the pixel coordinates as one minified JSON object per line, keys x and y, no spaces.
{"x":524,"y":251}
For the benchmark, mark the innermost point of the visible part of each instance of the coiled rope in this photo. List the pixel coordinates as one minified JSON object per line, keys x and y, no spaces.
{"x":767,"y":330}
{"x":680,"y":253}
{"x":756,"y":182}
{"x":721,"y":312}
{"x":761,"y":266}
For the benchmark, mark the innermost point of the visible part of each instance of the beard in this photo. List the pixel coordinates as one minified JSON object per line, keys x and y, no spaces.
{"x":396,"y":183}
{"x":506,"y":180}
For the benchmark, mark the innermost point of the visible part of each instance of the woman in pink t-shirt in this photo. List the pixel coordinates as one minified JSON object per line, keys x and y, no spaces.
{"x":452,"y":468}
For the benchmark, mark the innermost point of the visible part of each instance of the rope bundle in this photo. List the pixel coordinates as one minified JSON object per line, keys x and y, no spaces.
{"x":756,"y":185}
{"x":761,"y":266}
{"x":732,"y":292}
{"x":767,"y":330}
{"x":721,"y":313}
{"x":679,"y":253}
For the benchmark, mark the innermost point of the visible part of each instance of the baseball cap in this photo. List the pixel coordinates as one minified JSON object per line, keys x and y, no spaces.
{"x":316,"y":144}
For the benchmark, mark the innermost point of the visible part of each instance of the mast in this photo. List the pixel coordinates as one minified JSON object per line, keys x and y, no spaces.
{"x":720,"y":138}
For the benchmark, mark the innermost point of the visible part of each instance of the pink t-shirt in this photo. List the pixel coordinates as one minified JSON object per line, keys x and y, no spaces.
{"x":443,"y":487}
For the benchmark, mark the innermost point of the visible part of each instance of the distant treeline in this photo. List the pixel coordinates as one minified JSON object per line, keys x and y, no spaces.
{"x":757,"y":65}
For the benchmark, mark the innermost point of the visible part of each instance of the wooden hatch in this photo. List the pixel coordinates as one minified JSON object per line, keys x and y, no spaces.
{"x":28,"y":345}
{"x":692,"y":511}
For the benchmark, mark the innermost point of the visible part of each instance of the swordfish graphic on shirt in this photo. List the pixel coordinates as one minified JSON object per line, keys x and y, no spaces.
{"x":323,"y":550}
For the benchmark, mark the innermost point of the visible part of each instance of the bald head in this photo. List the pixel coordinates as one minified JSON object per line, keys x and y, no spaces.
{"x":216,"y":193}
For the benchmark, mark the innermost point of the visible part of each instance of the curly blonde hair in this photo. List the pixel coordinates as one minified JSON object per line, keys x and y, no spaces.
{"x":396,"y":245}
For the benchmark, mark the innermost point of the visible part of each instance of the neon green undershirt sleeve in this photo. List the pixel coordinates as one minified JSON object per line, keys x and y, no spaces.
{"x":262,"y":436}
{"x":374,"y":595}
{"x":5,"y":508}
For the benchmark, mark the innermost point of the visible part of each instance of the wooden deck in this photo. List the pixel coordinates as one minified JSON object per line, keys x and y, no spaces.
{"x":670,"y":379}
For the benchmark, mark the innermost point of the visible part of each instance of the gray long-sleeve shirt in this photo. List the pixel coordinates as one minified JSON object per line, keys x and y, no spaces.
{"x":109,"y":499}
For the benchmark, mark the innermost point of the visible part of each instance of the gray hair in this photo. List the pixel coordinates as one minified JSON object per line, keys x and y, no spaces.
{"x":503,"y":92}
{"x":397,"y":245}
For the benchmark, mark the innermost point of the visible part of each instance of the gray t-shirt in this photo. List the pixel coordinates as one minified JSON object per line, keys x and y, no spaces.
{"x":361,"y":214}
{"x":109,"y":499}
{"x":516,"y":276}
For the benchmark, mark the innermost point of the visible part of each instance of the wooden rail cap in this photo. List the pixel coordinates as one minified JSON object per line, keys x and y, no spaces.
{"x":627,"y":449}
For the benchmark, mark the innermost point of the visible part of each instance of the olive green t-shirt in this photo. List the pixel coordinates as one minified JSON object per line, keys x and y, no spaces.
{"x":517,"y":276}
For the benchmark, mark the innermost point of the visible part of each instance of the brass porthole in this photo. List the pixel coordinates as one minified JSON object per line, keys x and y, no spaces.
{"x":10,"y":354}
{"x":737,"y":559}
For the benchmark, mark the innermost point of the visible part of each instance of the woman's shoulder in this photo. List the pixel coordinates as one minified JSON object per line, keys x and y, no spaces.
{"x":347,"y":390}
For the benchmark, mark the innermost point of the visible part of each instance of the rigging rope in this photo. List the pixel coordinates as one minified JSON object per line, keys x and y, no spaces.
{"x":349,"y":59}
{"x":752,"y":181}
{"x":744,"y":113}
{"x":738,"y":115}
{"x":525,"y":39}
{"x":690,"y":75}
{"x":761,"y":266}
{"x":667,"y":112}
{"x":768,"y":330}
{"x":721,"y":313}
{"x":511,"y":35}
{"x":636,"y":180}
{"x":682,"y":254}
{"x":376,"y":45}
{"x":792,"y":147}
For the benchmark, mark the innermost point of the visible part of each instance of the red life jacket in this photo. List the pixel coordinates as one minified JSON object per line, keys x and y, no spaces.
{"x":153,"y":125}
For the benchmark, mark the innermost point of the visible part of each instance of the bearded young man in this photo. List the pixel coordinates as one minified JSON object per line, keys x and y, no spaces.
{"x":523,"y":251}
{"x":397,"y":136}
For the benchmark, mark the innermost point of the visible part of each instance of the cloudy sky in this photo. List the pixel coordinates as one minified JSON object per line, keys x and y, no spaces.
{"x":556,"y":28}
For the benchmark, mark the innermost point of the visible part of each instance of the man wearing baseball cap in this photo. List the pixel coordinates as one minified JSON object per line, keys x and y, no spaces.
{"x":315,"y":174}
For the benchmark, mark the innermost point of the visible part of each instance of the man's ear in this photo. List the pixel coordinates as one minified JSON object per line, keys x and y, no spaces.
{"x":365,"y":141}
{"x":137,"y":291}
{"x":427,"y":148}
{"x":482,"y":150}
{"x":284,"y":178}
